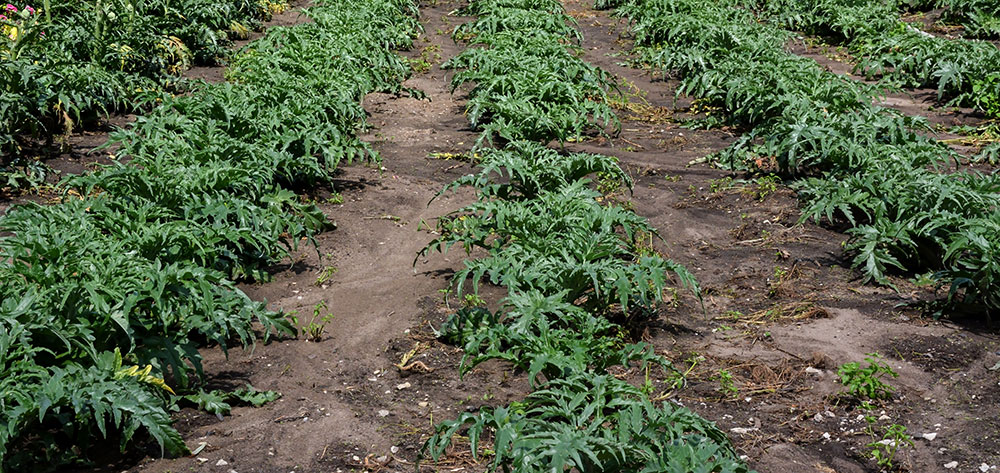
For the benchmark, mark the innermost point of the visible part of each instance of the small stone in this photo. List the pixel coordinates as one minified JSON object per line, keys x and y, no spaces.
{"x":422,"y":403}
{"x":356,"y":458}
{"x":826,"y":435}
{"x":984,"y":468}
{"x":382,"y":459}
{"x":383,"y":413}
{"x":221,"y":462}
{"x":393,"y":449}
{"x":818,"y":417}
{"x":812,"y":370}
{"x":402,"y":386}
{"x":930,"y":436}
{"x":830,"y":414}
{"x":742,"y":430}
{"x":202,"y":460}
{"x":951,"y":465}
{"x":884,"y":417}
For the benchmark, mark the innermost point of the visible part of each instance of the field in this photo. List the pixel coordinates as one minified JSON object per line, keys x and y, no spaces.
{"x":500,"y":235}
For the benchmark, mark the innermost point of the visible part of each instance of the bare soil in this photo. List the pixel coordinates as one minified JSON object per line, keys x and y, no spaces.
{"x":781,"y":312}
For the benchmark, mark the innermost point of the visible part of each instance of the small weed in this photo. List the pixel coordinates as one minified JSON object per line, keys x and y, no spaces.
{"x":726,"y":384}
{"x":719,"y":185}
{"x":884,"y":451}
{"x":473,"y":300}
{"x":326,"y":275}
{"x":335,"y":199}
{"x":672,"y":297}
{"x":866,"y":383}
{"x":676,"y":379}
{"x":317,"y":325}
{"x":647,"y":387}
{"x":776,"y":280}
{"x":464,"y":157}
{"x":885,"y":444}
{"x":429,"y":56}
{"x":765,"y":186}
{"x":735,"y":315}
{"x":924,"y":280}
{"x":608,"y":184}
{"x":643,"y":242}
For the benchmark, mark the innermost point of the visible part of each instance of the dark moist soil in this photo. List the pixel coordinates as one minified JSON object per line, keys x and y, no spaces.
{"x":781,"y":309}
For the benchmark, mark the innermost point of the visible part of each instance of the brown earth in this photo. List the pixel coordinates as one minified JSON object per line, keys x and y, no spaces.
{"x":781,"y":309}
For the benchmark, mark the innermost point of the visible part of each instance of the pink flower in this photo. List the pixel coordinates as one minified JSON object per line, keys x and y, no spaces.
{"x":11,"y":8}
{"x":3,"y":17}
{"x":31,"y":11}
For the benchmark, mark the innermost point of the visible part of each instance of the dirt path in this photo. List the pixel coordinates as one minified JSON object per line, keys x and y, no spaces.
{"x":781,"y":310}
{"x":344,"y":403}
